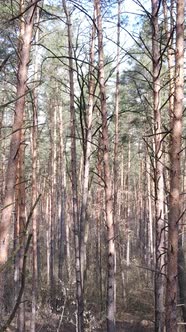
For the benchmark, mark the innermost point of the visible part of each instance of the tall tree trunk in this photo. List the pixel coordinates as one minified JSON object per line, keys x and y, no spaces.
{"x":174,"y":198}
{"x":63,"y":222}
{"x":24,"y":56}
{"x":121,"y":230}
{"x":34,"y":219}
{"x":10,"y":180}
{"x":116,"y":138}
{"x":53,"y":206}
{"x":99,"y":213}
{"x":19,"y":234}
{"x":88,"y":147}
{"x":182,"y":277}
{"x":20,"y":219}
{"x":34,"y":187}
{"x":159,"y":181}
{"x":79,"y":291}
{"x":128,"y":206}
{"x":2,"y":159}
{"x":150,"y":214}
{"x":111,"y":287}
{"x":48,"y":218}
{"x":169,"y":30}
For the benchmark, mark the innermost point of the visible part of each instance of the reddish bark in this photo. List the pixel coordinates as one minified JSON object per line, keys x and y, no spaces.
{"x":174,"y":198}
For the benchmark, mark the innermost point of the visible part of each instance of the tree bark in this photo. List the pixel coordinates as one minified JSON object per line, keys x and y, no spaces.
{"x":182,"y":277}
{"x":150,"y":214}
{"x":63,"y":222}
{"x":75,"y":207}
{"x":111,"y":286}
{"x":19,"y":231}
{"x":53,"y":205}
{"x":159,"y":181}
{"x":88,"y":147}
{"x":24,"y":56}
{"x":34,"y":217}
{"x":169,"y":30}
{"x":34,"y":187}
{"x":116,"y":138}
{"x":10,"y":180}
{"x":174,"y":197}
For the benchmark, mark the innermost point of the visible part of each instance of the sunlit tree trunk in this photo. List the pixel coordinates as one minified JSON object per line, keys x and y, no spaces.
{"x":175,"y":155}
{"x":34,"y":188}
{"x":34,"y":219}
{"x":26,"y":30}
{"x":128,"y":212}
{"x":121,"y":230}
{"x":24,"y":57}
{"x":99,"y":213}
{"x":159,"y":181}
{"x":169,"y":30}
{"x":150,"y":213}
{"x":111,"y":287}
{"x":47,"y":216}
{"x":182,"y":277}
{"x":20,"y":216}
{"x":116,"y":138}
{"x":2,"y":161}
{"x":63,"y":221}
{"x":53,"y":205}
{"x":88,"y":147}
{"x":20,"y":220}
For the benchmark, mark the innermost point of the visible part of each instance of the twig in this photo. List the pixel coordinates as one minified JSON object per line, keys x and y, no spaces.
{"x":23,"y":234}
{"x":62,"y":313}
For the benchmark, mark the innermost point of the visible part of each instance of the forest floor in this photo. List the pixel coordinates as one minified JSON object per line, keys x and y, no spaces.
{"x":129,"y":323}
{"x":120,"y":327}
{"x":130,"y":327}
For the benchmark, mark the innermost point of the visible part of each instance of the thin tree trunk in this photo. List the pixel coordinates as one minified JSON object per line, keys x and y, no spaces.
{"x":182,"y":277}
{"x":128,"y":207}
{"x":159,"y":181}
{"x":111,"y":287}
{"x":151,"y":226}
{"x":174,"y":198}
{"x":47,"y":214}
{"x":63,"y":223}
{"x":99,"y":203}
{"x":79,"y":291}
{"x":20,"y":220}
{"x":86,"y":169}
{"x":20,"y":228}
{"x":53,"y":207}
{"x":181,"y":251}
{"x":169,"y":29}
{"x":2,"y":159}
{"x":34,"y":189}
{"x":121,"y":230}
{"x":116,"y":138}
{"x":34,"y":221}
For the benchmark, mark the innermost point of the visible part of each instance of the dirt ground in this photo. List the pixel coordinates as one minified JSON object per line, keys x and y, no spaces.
{"x":129,"y":323}
{"x":120,"y":327}
{"x":130,"y":327}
